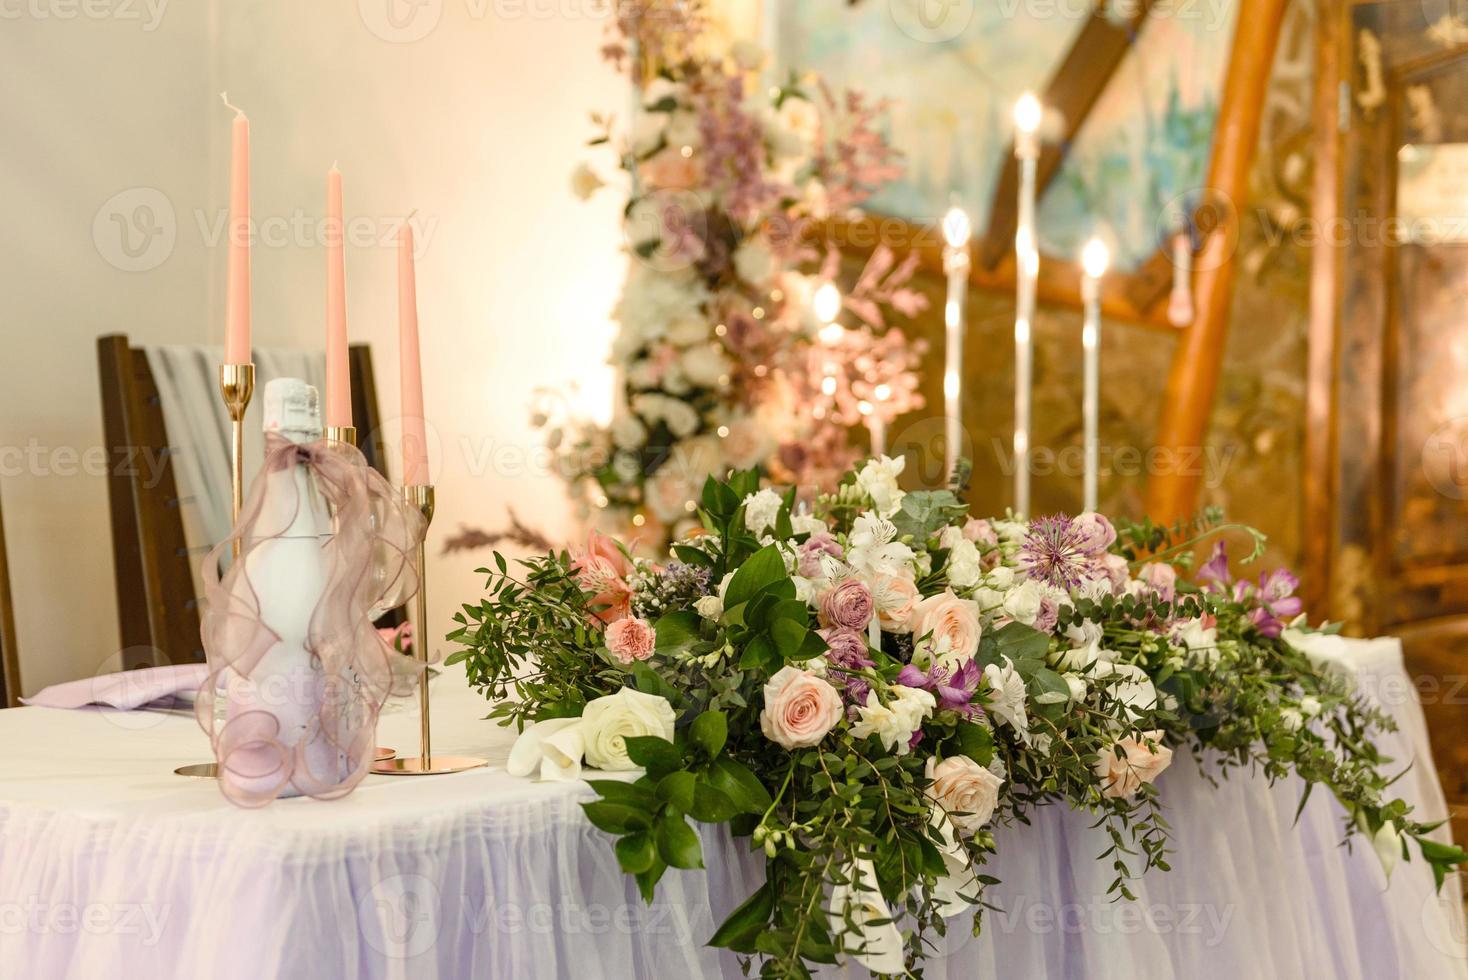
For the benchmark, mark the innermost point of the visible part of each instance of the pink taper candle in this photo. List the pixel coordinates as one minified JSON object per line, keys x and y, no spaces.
{"x":415,"y":436}
{"x":338,"y":378}
{"x":237,"y":285}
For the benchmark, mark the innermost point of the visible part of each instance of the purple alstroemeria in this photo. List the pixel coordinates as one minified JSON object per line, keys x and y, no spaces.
{"x":1215,"y":570}
{"x":1278,"y":603}
{"x":954,"y":689}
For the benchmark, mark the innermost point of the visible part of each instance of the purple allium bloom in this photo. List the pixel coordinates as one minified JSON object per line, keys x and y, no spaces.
{"x":848,"y":651}
{"x":954,"y":689}
{"x":818,"y":544}
{"x":1056,"y":552}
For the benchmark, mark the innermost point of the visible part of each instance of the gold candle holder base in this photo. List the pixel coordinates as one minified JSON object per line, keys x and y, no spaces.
{"x":425,"y":763}
{"x":199,"y":770}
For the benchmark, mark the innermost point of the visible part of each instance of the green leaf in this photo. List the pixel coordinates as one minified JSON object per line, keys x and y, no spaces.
{"x":1048,"y":687}
{"x":760,"y":654}
{"x":627,"y":794}
{"x":649,"y":681}
{"x":975,"y":741}
{"x":689,"y":555}
{"x":636,"y":852}
{"x":676,"y":630}
{"x":747,"y":922}
{"x":789,"y":638}
{"x":709,"y":732}
{"x":923,"y":512}
{"x":743,"y":787}
{"x":616,"y":818}
{"x":657,"y":755}
{"x":764,"y":568}
{"x":678,"y":843}
{"x":711,"y":805}
{"x":676,"y":788}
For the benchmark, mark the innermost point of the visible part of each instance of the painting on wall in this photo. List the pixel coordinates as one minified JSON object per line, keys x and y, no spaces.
{"x":1136,"y":163}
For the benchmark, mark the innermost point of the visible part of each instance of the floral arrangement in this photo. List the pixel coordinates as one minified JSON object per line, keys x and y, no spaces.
{"x":723,"y":360}
{"x":867,"y":688}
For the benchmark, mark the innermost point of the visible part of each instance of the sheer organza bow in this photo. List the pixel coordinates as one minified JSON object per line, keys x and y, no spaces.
{"x":326,"y":744}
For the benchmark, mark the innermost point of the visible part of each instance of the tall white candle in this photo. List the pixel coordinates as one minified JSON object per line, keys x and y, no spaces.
{"x":956,"y":230}
{"x":1094,"y":258}
{"x":1027,"y":116}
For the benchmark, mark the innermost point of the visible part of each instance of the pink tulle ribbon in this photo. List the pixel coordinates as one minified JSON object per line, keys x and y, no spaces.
{"x":371,"y":567}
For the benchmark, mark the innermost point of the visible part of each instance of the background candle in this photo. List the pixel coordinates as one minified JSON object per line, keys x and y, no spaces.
{"x":237,"y":283}
{"x":955,"y":262}
{"x":415,"y":436}
{"x":1027,"y":115}
{"x":1094,"y":258}
{"x":338,"y":377}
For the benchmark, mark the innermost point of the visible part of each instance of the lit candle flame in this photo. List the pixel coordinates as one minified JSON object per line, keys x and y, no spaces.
{"x":1028,"y":113}
{"x":956,"y":229}
{"x":1094,"y":258}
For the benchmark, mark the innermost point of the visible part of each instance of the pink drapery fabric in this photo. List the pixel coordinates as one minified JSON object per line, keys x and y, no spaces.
{"x":371,"y":567}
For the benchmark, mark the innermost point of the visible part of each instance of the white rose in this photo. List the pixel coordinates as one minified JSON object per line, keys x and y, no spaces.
{"x":879,"y":479}
{"x":668,"y":493}
{"x":607,"y":723}
{"x":661,"y":89}
{"x":794,"y":128}
{"x":704,"y":366}
{"x":808,"y":524}
{"x":965,"y":567}
{"x":761,"y":510}
{"x":647,"y":132}
{"x":1011,"y":531}
{"x":748,"y":444}
{"x":1022,"y":603}
{"x":961,"y":785}
{"x":688,"y":330}
{"x":1292,"y":719}
{"x":585,"y":182}
{"x":1077,"y":685}
{"x":709,"y":607}
{"x":1310,"y":706}
{"x":1000,"y":577}
{"x":755,"y":262}
{"x":628,"y":432}
{"x":862,"y":904}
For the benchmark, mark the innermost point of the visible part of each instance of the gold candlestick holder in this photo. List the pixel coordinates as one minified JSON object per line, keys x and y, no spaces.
{"x":236,"y":388}
{"x":425,"y":763}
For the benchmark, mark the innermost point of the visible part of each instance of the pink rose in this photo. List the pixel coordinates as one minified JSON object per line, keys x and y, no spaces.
{"x":897,"y":599}
{"x":603,"y":571}
{"x":669,"y":169}
{"x":953,"y":623}
{"x":1097,"y":534}
{"x":847,"y":605}
{"x":1161,"y":578}
{"x":1122,"y":776}
{"x":981,"y":532}
{"x":800,"y":708}
{"x":962,"y":786}
{"x":1115,"y":569}
{"x":818,"y":544}
{"x":631,"y":639}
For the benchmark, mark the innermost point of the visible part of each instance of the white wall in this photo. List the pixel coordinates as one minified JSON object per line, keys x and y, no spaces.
{"x":476,"y":124}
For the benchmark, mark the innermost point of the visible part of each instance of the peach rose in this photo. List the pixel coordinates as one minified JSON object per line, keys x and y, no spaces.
{"x":800,"y":708}
{"x":953,"y":623}
{"x":670,"y":170}
{"x":967,"y":792}
{"x":631,"y":639}
{"x":897,"y":599}
{"x":1122,"y":776}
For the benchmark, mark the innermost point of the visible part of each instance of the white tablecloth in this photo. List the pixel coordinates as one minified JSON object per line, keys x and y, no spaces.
{"x":112,"y":866}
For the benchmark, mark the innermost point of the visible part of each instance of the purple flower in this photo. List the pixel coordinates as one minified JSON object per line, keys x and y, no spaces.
{"x":1057,"y":551}
{"x":1277,"y":602}
{"x":954,"y":688}
{"x":848,"y":653}
{"x":1215,"y":570}
{"x":1048,"y":615}
{"x":847,"y":605}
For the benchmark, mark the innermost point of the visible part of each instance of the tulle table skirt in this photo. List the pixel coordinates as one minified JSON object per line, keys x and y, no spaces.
{"x":110,"y":866}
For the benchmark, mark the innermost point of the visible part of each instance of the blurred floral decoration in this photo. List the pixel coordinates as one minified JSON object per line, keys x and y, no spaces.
{"x":725,"y":358}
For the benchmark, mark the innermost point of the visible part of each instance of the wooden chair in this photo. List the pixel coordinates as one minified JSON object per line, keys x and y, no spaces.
{"x":158,"y":612}
{"x":9,"y":655}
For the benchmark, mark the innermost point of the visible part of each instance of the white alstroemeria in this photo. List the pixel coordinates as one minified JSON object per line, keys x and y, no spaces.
{"x":872,"y":548}
{"x":1095,"y":588}
{"x":1085,"y":646}
{"x":1022,"y":603}
{"x":1201,"y":641}
{"x":805,"y":589}
{"x":861,"y":902}
{"x":965,"y":566}
{"x":893,"y":723}
{"x":1007,"y":697}
{"x":554,"y":747}
{"x":761,"y":510}
{"x":1128,"y":684}
{"x":1387,"y":842}
{"x":879,"y":479}
{"x":710,"y":606}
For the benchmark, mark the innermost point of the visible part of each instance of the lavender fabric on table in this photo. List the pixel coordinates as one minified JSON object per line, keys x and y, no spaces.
{"x":482,"y":874}
{"x":150,"y":687}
